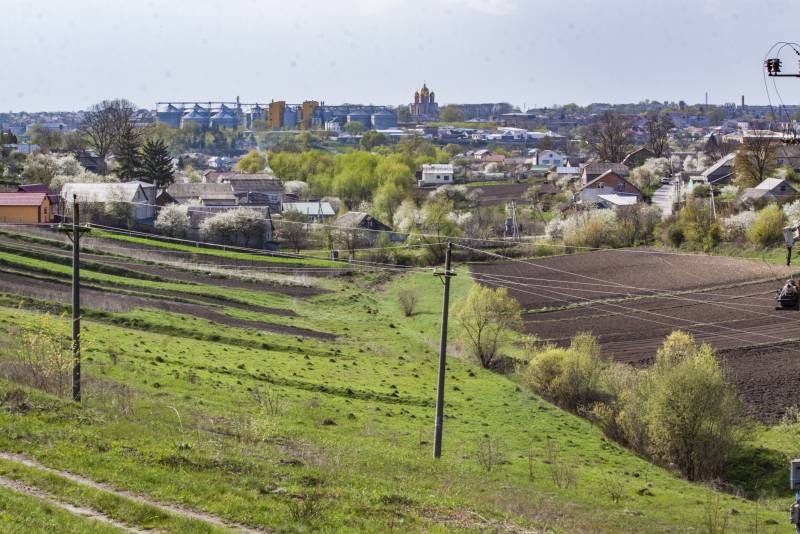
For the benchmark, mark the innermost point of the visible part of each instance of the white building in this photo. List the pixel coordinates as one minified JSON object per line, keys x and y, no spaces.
{"x":551,"y":158}
{"x":139,"y":195}
{"x":435,"y":174}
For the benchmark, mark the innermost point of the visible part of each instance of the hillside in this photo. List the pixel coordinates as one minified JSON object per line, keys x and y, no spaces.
{"x":296,"y":402}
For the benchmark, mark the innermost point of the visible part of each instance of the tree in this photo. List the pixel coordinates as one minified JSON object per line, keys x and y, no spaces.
{"x":251,"y":163}
{"x":372,"y":139}
{"x":658,"y":127}
{"x":755,"y":160}
{"x":403,"y":114}
{"x":173,"y":220}
{"x":487,"y":317}
{"x":767,"y":229}
{"x":157,"y":163}
{"x":103,"y":123}
{"x":608,"y":136}
{"x":292,"y":229}
{"x":127,"y":151}
{"x":353,"y":127}
{"x":451,"y":113}
{"x":240,"y":226}
{"x":46,"y":138}
{"x":716,"y":148}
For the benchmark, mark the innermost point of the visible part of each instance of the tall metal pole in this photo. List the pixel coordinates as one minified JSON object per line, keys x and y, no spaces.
{"x":76,"y":302}
{"x":437,"y":438}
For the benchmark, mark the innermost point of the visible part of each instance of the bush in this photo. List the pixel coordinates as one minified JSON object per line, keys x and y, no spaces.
{"x":593,"y":229}
{"x":691,"y":410}
{"x":240,"y":226}
{"x":736,"y":227}
{"x":408,"y":298}
{"x":571,"y":377}
{"x":792,"y":211}
{"x":698,"y":225}
{"x":173,"y":220}
{"x":767,"y":229}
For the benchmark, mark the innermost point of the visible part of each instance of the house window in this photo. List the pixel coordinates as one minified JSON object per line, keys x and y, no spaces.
{"x":621,"y":186}
{"x":600,"y":185}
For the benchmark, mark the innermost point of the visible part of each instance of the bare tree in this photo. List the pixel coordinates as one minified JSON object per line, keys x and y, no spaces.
{"x":103,"y":123}
{"x":755,"y":159}
{"x":658,"y":127}
{"x":716,"y":148}
{"x":292,"y":229}
{"x":608,"y":136}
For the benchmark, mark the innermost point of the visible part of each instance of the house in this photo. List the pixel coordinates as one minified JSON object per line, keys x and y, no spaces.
{"x":593,"y":169}
{"x":607,"y":183}
{"x":616,"y":200}
{"x":770,"y":189}
{"x":638,"y":157}
{"x":568,"y":173}
{"x":372,"y":227}
{"x":91,"y":163}
{"x":720,"y":172}
{"x":39,"y":188}
{"x":256,"y":189}
{"x":314,"y":211}
{"x":435,"y":174}
{"x":206,"y":194}
{"x":132,"y":193}
{"x":25,"y":208}
{"x":551,"y":158}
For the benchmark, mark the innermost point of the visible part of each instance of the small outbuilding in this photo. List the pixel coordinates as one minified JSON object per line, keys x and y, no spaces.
{"x":25,"y":208}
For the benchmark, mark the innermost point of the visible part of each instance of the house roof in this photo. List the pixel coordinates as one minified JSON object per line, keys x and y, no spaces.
{"x":600,"y":167}
{"x":638,"y":152}
{"x":724,"y":161}
{"x":185,"y":191}
{"x":568,"y":170}
{"x":605,"y":175}
{"x":310,"y":208}
{"x":33,"y":188}
{"x":243,"y":185}
{"x":102,"y":192}
{"x":619,"y":200}
{"x":22,"y":199}
{"x":356,"y":219}
{"x":771,"y":183}
{"x":437,"y":167}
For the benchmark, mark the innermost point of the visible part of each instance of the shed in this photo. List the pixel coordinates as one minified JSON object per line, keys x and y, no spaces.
{"x":25,"y":208}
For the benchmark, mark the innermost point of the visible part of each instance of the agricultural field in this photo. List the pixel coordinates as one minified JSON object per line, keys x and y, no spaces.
{"x":237,"y":395}
{"x":632,"y":298}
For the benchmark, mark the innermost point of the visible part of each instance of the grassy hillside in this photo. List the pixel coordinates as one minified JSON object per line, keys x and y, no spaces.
{"x":295,"y":433}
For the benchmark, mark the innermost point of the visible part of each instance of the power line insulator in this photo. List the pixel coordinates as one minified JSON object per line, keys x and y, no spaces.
{"x":773,"y":66}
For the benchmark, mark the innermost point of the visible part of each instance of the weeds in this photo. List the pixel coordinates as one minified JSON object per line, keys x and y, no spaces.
{"x":716,"y":519}
{"x":564,"y":476}
{"x":408,"y":298}
{"x":270,"y":400}
{"x":306,"y":508}
{"x":40,"y":357}
{"x":488,"y":453}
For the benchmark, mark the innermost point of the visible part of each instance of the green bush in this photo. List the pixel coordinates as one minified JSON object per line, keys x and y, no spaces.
{"x":768,"y":227}
{"x":571,"y":377}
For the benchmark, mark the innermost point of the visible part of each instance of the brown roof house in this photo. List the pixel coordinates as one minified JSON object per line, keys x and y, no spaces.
{"x":608,"y":183}
{"x":593,"y":169}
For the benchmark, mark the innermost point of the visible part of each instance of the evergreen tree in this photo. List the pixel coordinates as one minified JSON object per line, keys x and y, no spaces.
{"x":157,"y":163}
{"x":128,"y":154}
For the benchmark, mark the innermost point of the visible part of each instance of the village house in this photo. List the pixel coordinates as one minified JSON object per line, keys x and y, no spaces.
{"x":607,"y":183}
{"x":140,"y":196}
{"x":371,"y":227}
{"x":435,"y":174}
{"x":774,"y":189}
{"x":720,"y":172}
{"x":551,"y":158}
{"x":593,"y":169}
{"x":25,"y":208}
{"x":314,"y":211}
{"x":205,"y":194}
{"x":638,"y":157}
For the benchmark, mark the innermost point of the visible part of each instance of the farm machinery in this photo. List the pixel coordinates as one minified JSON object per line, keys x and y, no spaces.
{"x":789,"y":295}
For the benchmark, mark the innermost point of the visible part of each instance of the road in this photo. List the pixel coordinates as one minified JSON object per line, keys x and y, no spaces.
{"x":663,"y":198}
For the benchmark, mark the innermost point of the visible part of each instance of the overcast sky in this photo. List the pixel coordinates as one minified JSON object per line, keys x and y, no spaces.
{"x":66,"y":55}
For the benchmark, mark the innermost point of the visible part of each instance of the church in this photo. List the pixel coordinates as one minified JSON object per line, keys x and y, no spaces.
{"x":424,"y":108}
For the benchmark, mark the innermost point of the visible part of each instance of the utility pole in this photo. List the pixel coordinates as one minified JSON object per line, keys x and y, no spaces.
{"x":713,"y":206}
{"x":73,"y":231}
{"x":447,"y":274}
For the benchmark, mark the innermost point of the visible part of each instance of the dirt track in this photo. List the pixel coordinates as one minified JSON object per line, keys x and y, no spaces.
{"x":631,"y":301}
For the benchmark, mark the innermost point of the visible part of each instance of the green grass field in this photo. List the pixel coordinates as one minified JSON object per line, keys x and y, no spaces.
{"x":295,"y":434}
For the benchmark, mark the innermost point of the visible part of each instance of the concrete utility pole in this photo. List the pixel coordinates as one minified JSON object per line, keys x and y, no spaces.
{"x":73,"y":231}
{"x":447,"y":274}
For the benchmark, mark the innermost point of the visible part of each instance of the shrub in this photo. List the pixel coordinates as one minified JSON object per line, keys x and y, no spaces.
{"x":767,"y":229}
{"x":698,"y":225}
{"x":792,"y":211}
{"x":571,"y":377}
{"x":40,"y":356}
{"x":240,"y":226}
{"x":173,"y":220}
{"x":408,"y":298}
{"x":736,"y":227}
{"x":593,"y":228}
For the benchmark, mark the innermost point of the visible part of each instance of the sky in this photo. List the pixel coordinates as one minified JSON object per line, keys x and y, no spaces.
{"x":67,"y":55}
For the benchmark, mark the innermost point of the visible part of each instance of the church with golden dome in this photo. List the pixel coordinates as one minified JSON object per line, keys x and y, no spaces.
{"x":424,"y":108}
